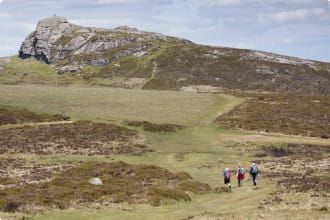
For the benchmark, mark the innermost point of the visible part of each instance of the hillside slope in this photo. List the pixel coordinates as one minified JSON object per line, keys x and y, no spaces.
{"x":156,"y":61}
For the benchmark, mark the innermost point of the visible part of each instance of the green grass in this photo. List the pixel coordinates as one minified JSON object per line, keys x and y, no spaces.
{"x":33,"y":72}
{"x":209,"y":204}
{"x":108,"y":104}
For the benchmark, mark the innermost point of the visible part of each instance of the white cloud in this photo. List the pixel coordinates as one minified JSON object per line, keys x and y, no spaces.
{"x":216,"y":3}
{"x":118,"y":1}
{"x":288,"y":40}
{"x":244,"y":45}
{"x":293,"y":15}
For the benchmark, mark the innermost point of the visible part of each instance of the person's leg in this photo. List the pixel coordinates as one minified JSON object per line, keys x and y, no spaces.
{"x":254,"y":180}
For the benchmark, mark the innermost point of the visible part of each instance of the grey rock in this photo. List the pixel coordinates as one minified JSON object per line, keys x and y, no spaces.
{"x":140,"y":53}
{"x":70,"y":68}
{"x":56,"y":39}
{"x":95,"y":181}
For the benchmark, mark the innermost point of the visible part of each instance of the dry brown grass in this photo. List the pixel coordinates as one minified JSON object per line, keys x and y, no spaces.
{"x":81,"y":137}
{"x":15,"y":115}
{"x":122,"y":182}
{"x":288,"y":114}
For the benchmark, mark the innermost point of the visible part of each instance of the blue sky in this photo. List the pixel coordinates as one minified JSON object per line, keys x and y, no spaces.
{"x":298,"y":28}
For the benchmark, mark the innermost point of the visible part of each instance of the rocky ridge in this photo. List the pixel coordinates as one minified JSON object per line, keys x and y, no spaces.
{"x":55,"y":39}
{"x":124,"y":54}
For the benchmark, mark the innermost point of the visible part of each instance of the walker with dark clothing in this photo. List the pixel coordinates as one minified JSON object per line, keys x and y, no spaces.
{"x":226,"y":177}
{"x":254,"y":171}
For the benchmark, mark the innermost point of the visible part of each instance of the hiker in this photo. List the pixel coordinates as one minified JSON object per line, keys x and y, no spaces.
{"x":226,"y":177}
{"x":240,"y":175}
{"x":254,"y":171}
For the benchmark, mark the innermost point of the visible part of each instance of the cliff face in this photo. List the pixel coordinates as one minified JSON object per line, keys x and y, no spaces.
{"x":55,"y":39}
{"x":41,"y":43}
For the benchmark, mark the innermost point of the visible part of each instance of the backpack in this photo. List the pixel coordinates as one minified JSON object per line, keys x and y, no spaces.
{"x":227,"y":175}
{"x":240,"y":171}
{"x":254,"y":170}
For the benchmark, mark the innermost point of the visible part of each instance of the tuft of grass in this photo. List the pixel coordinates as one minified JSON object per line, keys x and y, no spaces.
{"x":15,"y":115}
{"x":153,"y":127}
{"x":196,"y":187}
{"x":223,"y":189}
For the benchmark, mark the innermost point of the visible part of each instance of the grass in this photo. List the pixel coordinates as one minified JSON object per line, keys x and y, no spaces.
{"x":106,"y":104}
{"x":200,"y":148}
{"x":209,"y":204}
{"x":121,"y":183}
{"x":11,"y":115}
{"x":31,"y":71}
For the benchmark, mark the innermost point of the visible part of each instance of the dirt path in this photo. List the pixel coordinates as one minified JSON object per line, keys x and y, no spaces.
{"x":35,"y":124}
{"x":271,"y":138}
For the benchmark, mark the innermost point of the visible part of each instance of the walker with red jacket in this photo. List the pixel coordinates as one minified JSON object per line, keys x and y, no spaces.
{"x":240,"y":175}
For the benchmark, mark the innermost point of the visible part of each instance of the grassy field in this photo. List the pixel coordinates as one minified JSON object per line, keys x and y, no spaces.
{"x":201,"y":149}
{"x":107,"y":104}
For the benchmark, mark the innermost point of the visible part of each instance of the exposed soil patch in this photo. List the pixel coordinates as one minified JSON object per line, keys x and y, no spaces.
{"x":122,"y":182}
{"x":299,"y":168}
{"x":82,"y":137}
{"x":152,"y":127}
{"x":289,"y":114}
{"x":14,"y":115}
{"x":16,"y":172}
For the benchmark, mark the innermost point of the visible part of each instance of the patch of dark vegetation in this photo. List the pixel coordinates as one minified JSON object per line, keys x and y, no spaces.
{"x":299,"y":168}
{"x":152,"y":127}
{"x":15,"y":115}
{"x":81,"y":137}
{"x":223,"y":189}
{"x":128,"y":67}
{"x":306,"y":183}
{"x":16,"y":172}
{"x":297,"y":151}
{"x":323,"y":209}
{"x":288,"y":114}
{"x":274,"y":151}
{"x":195,"y":187}
{"x":122,"y":182}
{"x":234,"y":69}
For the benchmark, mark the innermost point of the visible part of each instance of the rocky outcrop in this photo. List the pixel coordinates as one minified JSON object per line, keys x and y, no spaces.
{"x":55,"y":39}
{"x":41,"y":43}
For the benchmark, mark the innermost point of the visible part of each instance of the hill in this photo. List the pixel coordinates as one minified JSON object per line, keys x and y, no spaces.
{"x":72,"y":149}
{"x":127,"y":57}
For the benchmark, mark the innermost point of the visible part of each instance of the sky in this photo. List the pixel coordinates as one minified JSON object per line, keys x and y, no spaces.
{"x":299,"y":28}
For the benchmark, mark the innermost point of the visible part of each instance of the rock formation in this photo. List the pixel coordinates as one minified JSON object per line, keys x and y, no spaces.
{"x":55,"y":39}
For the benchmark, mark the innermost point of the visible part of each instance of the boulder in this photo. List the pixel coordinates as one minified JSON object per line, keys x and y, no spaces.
{"x":95,"y":181}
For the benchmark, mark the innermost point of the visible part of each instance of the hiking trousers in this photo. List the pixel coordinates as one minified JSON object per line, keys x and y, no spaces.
{"x":254,"y":179}
{"x":240,"y":182}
